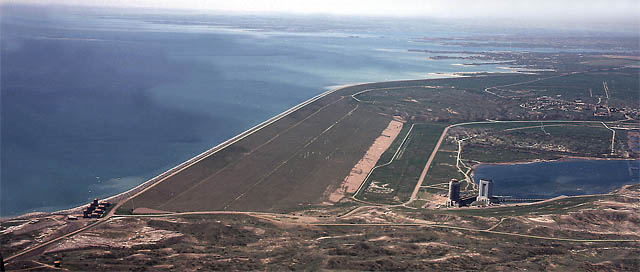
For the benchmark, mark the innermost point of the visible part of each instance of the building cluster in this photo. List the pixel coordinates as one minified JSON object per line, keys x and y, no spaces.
{"x":545,"y":103}
{"x":485,"y":195}
{"x":95,"y":209}
{"x":376,"y":188}
{"x":627,"y":112}
{"x":550,"y":103}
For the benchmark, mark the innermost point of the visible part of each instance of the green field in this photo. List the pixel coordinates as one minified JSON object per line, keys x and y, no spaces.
{"x":287,"y":169}
{"x":623,"y":86}
{"x":284,"y":166}
{"x":403,"y":173}
{"x":442,"y":169}
{"x":548,"y":142}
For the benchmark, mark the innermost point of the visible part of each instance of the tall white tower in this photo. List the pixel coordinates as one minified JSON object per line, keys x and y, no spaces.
{"x":485,"y":191}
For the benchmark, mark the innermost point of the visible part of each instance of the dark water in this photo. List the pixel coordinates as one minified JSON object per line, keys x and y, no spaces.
{"x":95,"y":102}
{"x":550,"y":179}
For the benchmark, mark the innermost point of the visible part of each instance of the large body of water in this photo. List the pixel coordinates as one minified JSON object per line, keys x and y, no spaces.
{"x":551,"y":179}
{"x":95,"y":102}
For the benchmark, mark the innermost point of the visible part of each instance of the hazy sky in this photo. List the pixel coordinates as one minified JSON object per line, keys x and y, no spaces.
{"x":540,"y":10}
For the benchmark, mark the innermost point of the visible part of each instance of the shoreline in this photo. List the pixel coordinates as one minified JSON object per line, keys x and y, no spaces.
{"x":186,"y":164}
{"x":195,"y":159}
{"x":563,"y":159}
{"x":207,"y":153}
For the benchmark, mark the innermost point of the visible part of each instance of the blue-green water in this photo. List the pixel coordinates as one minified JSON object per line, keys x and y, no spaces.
{"x":551,"y":179}
{"x":96,"y":101}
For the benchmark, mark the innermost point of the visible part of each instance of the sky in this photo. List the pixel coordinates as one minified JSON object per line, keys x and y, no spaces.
{"x":608,"y":11}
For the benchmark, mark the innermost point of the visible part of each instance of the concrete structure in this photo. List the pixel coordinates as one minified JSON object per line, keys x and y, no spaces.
{"x":453,"y":199}
{"x":485,"y":188}
{"x":94,"y":208}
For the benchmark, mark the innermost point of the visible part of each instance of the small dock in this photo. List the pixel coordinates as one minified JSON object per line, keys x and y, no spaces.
{"x":502,"y":199}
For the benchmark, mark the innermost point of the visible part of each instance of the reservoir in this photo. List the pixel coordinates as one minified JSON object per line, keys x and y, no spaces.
{"x":555,"y":178}
{"x":95,"y":102}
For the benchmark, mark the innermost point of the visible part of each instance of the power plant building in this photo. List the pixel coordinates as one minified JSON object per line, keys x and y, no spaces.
{"x":485,"y":188}
{"x":95,"y":209}
{"x":453,"y":199}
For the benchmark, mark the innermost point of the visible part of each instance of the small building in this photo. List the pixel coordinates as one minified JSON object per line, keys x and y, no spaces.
{"x":453,"y":198}
{"x":485,"y":191}
{"x":95,"y":209}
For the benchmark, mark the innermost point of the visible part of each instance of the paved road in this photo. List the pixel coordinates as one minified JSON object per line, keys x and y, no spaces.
{"x":173,"y":171}
{"x":444,"y":133}
{"x":414,"y":194}
{"x":260,"y":214}
{"x":395,"y":155}
{"x":40,"y":246}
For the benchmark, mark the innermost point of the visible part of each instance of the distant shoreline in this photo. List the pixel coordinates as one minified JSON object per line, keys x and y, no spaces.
{"x":563,"y":159}
{"x":149,"y":182}
{"x":329,"y":89}
{"x":193,"y":160}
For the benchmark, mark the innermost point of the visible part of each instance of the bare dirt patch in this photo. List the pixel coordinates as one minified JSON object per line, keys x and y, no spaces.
{"x":359,"y":172}
{"x":117,"y":233}
{"x":147,"y":211}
